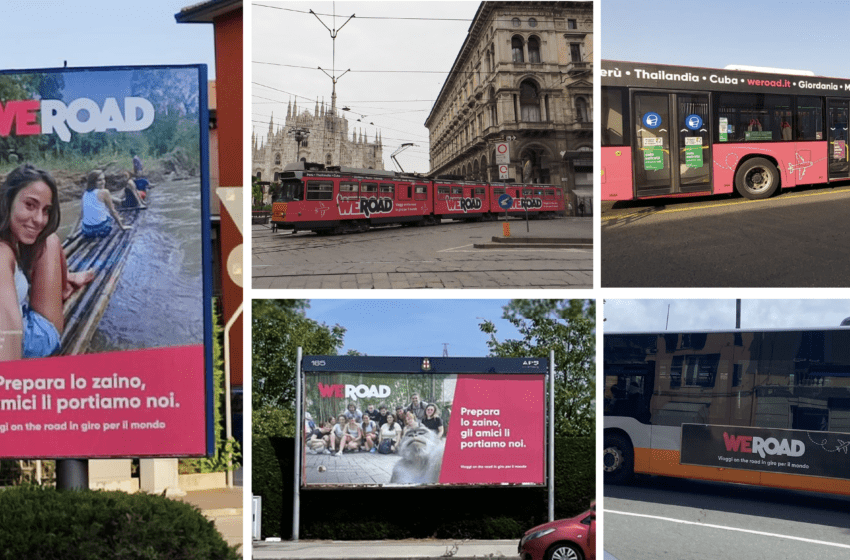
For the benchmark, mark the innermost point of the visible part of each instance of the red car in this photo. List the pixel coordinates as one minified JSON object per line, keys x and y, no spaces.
{"x":564,"y":539}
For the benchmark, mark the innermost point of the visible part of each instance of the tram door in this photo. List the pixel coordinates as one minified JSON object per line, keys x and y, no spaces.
{"x":672,"y":143}
{"x":839,"y":159}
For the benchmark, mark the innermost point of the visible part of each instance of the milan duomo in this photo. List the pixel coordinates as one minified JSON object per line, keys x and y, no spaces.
{"x":328,"y":142}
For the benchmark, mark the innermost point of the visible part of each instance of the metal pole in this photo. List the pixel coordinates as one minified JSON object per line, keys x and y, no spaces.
{"x":551,"y":435}
{"x":299,"y":424}
{"x":737,"y":314}
{"x":72,"y":474}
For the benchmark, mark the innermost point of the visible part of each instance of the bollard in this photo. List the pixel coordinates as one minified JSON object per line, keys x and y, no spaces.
{"x":506,"y":229}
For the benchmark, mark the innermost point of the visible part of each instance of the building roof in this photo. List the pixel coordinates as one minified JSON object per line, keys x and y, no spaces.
{"x":206,"y":12}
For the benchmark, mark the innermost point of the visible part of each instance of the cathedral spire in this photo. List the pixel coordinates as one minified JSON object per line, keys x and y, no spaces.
{"x":289,"y":109}
{"x":271,"y":123}
{"x":316,"y":112}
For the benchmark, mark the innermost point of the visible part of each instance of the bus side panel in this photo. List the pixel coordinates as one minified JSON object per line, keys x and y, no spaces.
{"x":807,"y":483}
{"x":617,"y":173}
{"x":802,"y":163}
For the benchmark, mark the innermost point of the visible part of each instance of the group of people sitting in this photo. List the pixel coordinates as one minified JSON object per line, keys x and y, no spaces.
{"x":373,"y":430}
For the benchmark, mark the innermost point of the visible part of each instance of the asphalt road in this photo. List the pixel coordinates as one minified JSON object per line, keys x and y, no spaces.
{"x":796,"y":239}
{"x":659,"y":518}
{"x":429,"y":257}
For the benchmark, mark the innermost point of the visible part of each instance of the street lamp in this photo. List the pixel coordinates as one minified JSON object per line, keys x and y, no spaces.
{"x":300,"y":135}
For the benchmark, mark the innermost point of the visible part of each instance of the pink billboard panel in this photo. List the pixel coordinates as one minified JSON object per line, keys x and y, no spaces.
{"x":455,"y":429}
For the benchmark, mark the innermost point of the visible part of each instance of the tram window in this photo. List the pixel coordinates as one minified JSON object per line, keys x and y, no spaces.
{"x":369,"y":187}
{"x":527,"y":192}
{"x":320,"y":190}
{"x":498,"y":191}
{"x":387,"y":190}
{"x":457,"y":190}
{"x":538,"y":192}
{"x":420,"y":192}
{"x":442,"y":190}
{"x":550,"y":192}
{"x":348,"y":187}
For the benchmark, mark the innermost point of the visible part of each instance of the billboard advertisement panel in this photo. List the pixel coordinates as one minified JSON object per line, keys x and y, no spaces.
{"x":105,"y":280}
{"x":465,"y":421}
{"x":771,"y":450}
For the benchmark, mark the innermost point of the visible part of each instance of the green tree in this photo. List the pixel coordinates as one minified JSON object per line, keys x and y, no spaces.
{"x":279,"y":327}
{"x":567,"y":327}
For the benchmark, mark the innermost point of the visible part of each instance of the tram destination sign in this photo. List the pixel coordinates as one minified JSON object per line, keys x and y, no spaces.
{"x":465,"y":421}
{"x":119,"y":362}
{"x":772,"y":450}
{"x":657,"y":76}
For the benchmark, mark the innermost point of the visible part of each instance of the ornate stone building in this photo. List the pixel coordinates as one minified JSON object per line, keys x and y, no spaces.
{"x":328,"y":143}
{"x":523,"y":75}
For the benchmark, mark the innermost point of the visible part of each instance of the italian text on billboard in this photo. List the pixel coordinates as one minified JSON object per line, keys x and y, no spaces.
{"x":455,"y":429}
{"x":105,"y":291}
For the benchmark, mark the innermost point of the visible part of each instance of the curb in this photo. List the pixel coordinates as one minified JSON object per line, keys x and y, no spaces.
{"x":532,"y":246}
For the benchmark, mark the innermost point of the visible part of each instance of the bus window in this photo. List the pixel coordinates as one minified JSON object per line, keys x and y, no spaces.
{"x":755,"y":117}
{"x":320,"y":190}
{"x":809,"y":118}
{"x":612,"y":117}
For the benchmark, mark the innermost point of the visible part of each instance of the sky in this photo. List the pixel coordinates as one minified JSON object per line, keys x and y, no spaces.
{"x":101,"y":33}
{"x":414,"y":327}
{"x":413,"y":55}
{"x":650,"y":315}
{"x":797,"y":35}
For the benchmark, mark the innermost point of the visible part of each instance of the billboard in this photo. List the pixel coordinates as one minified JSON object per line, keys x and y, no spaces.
{"x":770,"y":450}
{"x":105,"y":279}
{"x":466,"y":421}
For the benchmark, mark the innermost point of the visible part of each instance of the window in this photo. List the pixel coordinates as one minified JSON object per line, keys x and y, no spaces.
{"x":527,"y":192}
{"x":516,"y":22}
{"x":420,"y":192}
{"x":612,"y":117}
{"x":480,"y":192}
{"x":498,"y":191}
{"x":532,"y":22}
{"x":516,"y":50}
{"x":534,"y":50}
{"x":754,"y":117}
{"x":582,"y":115}
{"x":320,"y":190}
{"x":550,"y":192}
{"x":387,"y":190}
{"x":277,"y":159}
{"x":809,"y":118}
{"x":571,"y":24}
{"x":575,"y":52}
{"x":328,"y":159}
{"x":694,"y":371}
{"x":529,"y":101}
{"x":457,"y":190}
{"x":369,"y":188}
{"x":442,"y":190}
{"x":349,"y":191}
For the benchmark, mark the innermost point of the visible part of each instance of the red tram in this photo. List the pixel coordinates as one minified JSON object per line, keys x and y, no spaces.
{"x":346,"y":200}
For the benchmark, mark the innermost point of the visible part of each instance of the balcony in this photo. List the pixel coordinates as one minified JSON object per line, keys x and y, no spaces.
{"x":575,"y":68}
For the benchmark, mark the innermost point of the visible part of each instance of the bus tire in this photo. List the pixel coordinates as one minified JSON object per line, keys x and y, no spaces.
{"x":757,"y":178}
{"x":618,"y":459}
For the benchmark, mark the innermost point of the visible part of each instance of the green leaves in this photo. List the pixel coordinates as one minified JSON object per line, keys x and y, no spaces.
{"x":568,"y":328}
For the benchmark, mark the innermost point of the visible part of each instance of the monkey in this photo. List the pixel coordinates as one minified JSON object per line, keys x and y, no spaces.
{"x":421,"y":454}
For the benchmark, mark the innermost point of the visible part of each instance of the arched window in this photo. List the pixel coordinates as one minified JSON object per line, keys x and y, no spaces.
{"x":582,"y":114}
{"x":533,"y":49}
{"x":277,"y":159}
{"x":516,"y":49}
{"x":259,"y":175}
{"x":328,"y":159}
{"x":529,"y":102}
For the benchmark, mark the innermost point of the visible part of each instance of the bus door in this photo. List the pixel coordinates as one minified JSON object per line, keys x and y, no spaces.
{"x":839,"y":160}
{"x":672,"y":143}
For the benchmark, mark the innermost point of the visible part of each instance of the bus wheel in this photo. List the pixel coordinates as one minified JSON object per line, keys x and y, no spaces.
{"x":617,"y":459}
{"x":757,"y":178}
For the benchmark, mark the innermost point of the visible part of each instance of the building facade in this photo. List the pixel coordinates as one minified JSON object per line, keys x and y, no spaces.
{"x":524,"y":76}
{"x":328,"y":142}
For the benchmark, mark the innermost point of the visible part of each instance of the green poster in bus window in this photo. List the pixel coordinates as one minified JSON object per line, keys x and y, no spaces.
{"x":693,"y":151}
{"x":653,"y":154}
{"x":758,"y":135}
{"x":724,"y":129}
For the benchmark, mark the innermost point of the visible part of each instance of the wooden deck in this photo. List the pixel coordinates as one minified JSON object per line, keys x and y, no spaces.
{"x":107,"y":256}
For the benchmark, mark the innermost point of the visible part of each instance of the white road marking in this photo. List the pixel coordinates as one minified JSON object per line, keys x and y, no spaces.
{"x":737,"y":529}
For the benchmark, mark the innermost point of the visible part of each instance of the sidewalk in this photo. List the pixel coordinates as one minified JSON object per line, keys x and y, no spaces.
{"x":564,"y":229}
{"x":413,"y":549}
{"x":223,"y":506}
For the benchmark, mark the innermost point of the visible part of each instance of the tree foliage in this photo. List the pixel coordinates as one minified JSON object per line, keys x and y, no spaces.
{"x":279,"y":327}
{"x":568,"y":328}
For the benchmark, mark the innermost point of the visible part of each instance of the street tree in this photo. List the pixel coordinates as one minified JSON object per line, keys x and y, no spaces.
{"x":569,"y":328}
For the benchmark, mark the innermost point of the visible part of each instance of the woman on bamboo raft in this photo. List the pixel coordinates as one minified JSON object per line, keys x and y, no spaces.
{"x":34,"y":277}
{"x":98,"y":210}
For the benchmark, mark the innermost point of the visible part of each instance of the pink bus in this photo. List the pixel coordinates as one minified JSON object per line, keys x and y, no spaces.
{"x":673,"y":131}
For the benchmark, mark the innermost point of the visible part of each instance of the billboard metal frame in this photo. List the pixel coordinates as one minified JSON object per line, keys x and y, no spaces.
{"x":412,"y":365}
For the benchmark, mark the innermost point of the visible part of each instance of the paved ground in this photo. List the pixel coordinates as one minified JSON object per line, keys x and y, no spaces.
{"x":224,"y":507}
{"x":408,"y":550}
{"x":350,"y":468}
{"x":441,"y":256}
{"x":797,"y":239}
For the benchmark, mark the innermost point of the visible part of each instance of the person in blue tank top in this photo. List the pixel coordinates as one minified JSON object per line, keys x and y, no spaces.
{"x":34,"y":277}
{"x":97,"y":210}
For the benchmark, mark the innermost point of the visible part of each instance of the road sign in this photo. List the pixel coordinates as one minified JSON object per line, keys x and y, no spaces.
{"x":503,"y":153}
{"x":503,"y":172}
{"x":505,"y":201}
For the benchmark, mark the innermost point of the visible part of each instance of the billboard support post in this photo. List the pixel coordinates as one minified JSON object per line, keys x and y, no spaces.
{"x":299,"y":424}
{"x":72,"y":474}
{"x":551,"y":435}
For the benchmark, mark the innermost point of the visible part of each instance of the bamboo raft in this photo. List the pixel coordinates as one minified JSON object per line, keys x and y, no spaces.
{"x":107,"y":256}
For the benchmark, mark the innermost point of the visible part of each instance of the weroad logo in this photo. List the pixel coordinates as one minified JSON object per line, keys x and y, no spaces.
{"x":353,"y":392}
{"x":769,"y":446}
